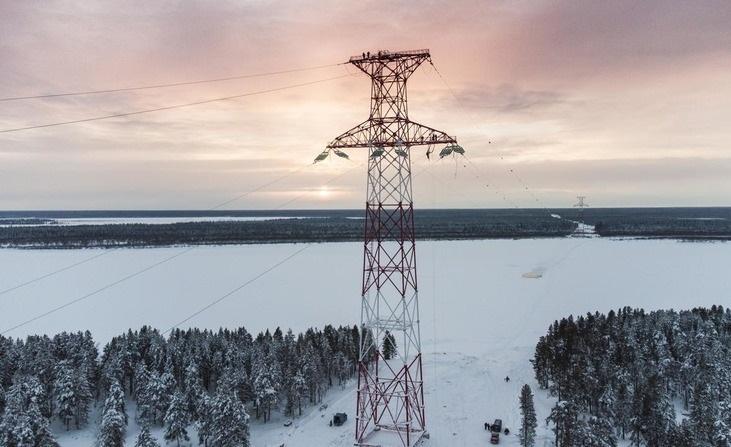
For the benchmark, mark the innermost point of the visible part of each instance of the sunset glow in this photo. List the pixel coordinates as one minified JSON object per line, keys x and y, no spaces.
{"x":626,"y":102}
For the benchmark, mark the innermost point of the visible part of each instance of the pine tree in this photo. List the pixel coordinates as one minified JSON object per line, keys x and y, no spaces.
{"x":527,"y":434}
{"x":567,"y":427}
{"x":703,"y":411}
{"x":193,"y":389}
{"x":658,"y":414}
{"x":722,"y":426}
{"x":299,"y":383}
{"x":341,"y":367}
{"x":84,"y":396}
{"x":600,"y":433}
{"x":145,"y":438}
{"x":23,"y":423}
{"x":177,"y":419}
{"x":389,"y":346}
{"x":145,"y":405}
{"x":64,"y":395}
{"x":266,"y":385}
{"x":116,"y":395}
{"x":168,"y":385}
{"x":204,"y":423}
{"x":229,"y":425}
{"x":313,"y":373}
{"x":114,"y":418}
{"x":153,"y":401}
{"x":142,"y":377}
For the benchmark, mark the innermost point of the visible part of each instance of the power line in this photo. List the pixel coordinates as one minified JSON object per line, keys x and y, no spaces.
{"x":62,"y":269}
{"x":163,"y":261}
{"x":510,"y":170}
{"x":236,"y":289}
{"x":173,"y":84}
{"x":110,"y":250}
{"x":97,"y":291}
{"x":176,"y":106}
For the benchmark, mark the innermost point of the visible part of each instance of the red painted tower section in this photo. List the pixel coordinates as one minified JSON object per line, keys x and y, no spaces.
{"x":390,"y":395}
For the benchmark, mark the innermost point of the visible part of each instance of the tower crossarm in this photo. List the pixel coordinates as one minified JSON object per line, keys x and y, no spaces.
{"x":390,"y":133}
{"x":390,"y":65}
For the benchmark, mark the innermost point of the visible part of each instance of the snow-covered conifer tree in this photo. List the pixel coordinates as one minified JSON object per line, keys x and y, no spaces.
{"x":389,"y":346}
{"x":22,"y":423}
{"x":114,"y":418}
{"x":230,"y":423}
{"x":84,"y":393}
{"x":177,"y":419}
{"x":193,"y":389}
{"x":529,"y":422}
{"x":299,"y":383}
{"x":64,"y":395}
{"x":565,"y":417}
{"x":267,"y":381}
{"x":145,"y":438}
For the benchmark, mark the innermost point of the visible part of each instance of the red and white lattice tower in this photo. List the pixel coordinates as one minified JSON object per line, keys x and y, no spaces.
{"x":390,"y":402}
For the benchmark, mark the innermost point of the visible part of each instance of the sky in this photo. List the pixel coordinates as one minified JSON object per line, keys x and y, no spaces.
{"x":625,"y":102}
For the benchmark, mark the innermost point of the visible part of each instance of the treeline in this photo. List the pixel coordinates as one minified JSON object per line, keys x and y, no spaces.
{"x":210,"y":380}
{"x":623,"y":374}
{"x":663,"y":228}
{"x":432,"y":225}
{"x":690,"y":223}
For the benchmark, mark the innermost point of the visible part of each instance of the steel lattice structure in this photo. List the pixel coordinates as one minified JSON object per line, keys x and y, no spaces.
{"x":390,"y":401}
{"x":581,"y":205}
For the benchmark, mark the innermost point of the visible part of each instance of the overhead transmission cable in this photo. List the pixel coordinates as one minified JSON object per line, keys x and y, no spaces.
{"x":167,"y":259}
{"x":172,"y":84}
{"x":215,"y":207}
{"x":268,"y":270}
{"x":163,"y":261}
{"x":237,"y":288}
{"x":110,"y":250}
{"x":497,"y":191}
{"x":175,"y":106}
{"x":54,"y":272}
{"x":96,"y":291}
{"x":510,"y":170}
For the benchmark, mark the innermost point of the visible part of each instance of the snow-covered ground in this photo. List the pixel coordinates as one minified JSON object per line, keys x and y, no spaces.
{"x":480,"y":316}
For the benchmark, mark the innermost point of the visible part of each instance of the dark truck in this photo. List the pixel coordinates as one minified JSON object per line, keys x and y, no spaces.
{"x":339,"y":419}
{"x":497,"y":427}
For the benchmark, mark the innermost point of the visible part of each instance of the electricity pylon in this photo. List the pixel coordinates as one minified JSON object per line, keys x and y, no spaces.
{"x":581,"y":205}
{"x":390,"y":395}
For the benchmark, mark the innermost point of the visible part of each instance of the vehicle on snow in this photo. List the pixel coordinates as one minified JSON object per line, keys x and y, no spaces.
{"x":497,"y":427}
{"x":494,"y":438}
{"x":339,"y":419}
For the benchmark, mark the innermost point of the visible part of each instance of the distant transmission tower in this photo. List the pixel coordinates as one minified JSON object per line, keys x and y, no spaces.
{"x":390,"y":401}
{"x":581,"y":205}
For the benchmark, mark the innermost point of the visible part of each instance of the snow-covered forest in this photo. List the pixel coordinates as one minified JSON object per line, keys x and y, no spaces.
{"x":195,"y":378}
{"x":659,"y":379}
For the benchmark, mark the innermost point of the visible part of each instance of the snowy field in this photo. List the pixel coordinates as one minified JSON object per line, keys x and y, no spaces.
{"x":481,"y":314}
